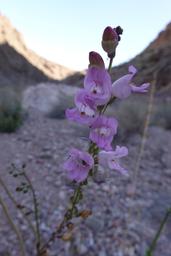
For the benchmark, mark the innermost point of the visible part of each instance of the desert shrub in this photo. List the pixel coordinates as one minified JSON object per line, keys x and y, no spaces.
{"x":58,"y":111}
{"x":10,"y":111}
{"x":162,"y":115}
{"x":131,"y":115}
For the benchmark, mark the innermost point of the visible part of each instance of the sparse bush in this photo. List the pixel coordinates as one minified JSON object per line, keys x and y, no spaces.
{"x":162,"y":115}
{"x":10,"y":111}
{"x":58,"y":111}
{"x":131,"y":115}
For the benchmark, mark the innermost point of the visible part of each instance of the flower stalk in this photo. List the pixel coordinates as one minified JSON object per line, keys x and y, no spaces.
{"x":110,"y":63}
{"x":36,"y":212}
{"x":69,"y":214}
{"x":91,"y":103}
{"x":14,"y":227}
{"x":11,"y":197}
{"x":158,"y":233}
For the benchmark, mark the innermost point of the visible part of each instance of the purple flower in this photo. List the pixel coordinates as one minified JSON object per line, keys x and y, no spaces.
{"x":123,"y":87}
{"x":85,"y":110}
{"x":110,"y":40}
{"x":78,"y":165}
{"x":98,"y":84}
{"x":111,"y":159}
{"x":96,"y":60}
{"x":102,"y":131}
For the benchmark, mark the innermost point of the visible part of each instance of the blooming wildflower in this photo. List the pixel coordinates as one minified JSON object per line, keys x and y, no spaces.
{"x":102,"y":131}
{"x":78,"y":165}
{"x":98,"y":84}
{"x":109,"y":40}
{"x":111,"y":159}
{"x":85,"y":110}
{"x":96,"y":60}
{"x":123,"y":87}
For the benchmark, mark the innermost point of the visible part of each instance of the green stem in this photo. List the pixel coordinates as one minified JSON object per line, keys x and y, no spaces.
{"x":110,"y":63}
{"x":93,"y":150}
{"x":67,"y":216}
{"x":16,"y":230}
{"x":75,"y":199}
{"x":16,"y":205}
{"x":36,"y":213}
{"x":158,"y":233}
{"x":112,"y":98}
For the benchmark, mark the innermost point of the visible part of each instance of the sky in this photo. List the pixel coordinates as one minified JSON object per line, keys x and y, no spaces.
{"x":66,"y":31}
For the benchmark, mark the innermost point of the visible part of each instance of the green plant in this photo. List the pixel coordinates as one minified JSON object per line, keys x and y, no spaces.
{"x":10,"y":111}
{"x":162,"y":116}
{"x":153,"y":244}
{"x":131,"y":115}
{"x":58,"y":111}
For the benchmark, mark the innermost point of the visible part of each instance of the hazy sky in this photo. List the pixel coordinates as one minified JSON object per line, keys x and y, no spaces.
{"x":65,"y":31}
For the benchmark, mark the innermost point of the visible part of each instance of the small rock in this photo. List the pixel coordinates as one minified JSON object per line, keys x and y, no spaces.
{"x":102,"y":253}
{"x":82,"y":249}
{"x":95,"y":223}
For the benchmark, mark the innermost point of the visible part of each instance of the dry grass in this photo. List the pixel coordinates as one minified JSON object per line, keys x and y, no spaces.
{"x":10,"y":111}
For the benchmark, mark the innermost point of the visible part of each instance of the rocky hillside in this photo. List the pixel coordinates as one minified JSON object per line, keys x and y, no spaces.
{"x":19,"y":65}
{"x":156,"y":58}
{"x":122,"y":224}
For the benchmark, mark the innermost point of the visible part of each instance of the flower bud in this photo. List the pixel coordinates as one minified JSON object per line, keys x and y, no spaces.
{"x":96,"y":60}
{"x":44,"y":252}
{"x":85,"y":214}
{"x":119,"y":31}
{"x":70,"y":226}
{"x":109,"y":40}
{"x":67,"y":236}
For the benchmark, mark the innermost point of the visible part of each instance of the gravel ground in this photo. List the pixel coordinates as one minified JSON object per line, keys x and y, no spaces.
{"x":122,"y":223}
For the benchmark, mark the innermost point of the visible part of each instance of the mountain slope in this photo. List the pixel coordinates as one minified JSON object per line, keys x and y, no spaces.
{"x":155,"y":59}
{"x":20,"y":65}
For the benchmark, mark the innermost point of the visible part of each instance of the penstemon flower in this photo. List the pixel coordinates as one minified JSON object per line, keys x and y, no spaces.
{"x":85,"y":110}
{"x":102,"y":131}
{"x":124,"y":86}
{"x":110,"y":40}
{"x":90,"y":105}
{"x":78,"y":165}
{"x":111,"y":159}
{"x":97,"y":83}
{"x":96,"y":60}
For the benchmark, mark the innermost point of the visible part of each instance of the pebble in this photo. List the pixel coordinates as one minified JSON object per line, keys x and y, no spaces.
{"x":108,"y":231}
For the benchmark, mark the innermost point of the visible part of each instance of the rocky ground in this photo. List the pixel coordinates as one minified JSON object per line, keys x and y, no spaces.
{"x":122,"y":223}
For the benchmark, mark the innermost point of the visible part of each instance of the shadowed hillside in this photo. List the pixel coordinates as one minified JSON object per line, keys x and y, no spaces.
{"x":155,"y":58}
{"x":20,"y":65}
{"x":15,"y":70}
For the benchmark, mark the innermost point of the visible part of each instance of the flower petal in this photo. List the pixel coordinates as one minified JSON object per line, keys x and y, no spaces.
{"x":103,"y":157}
{"x":78,"y":165}
{"x":120,"y":152}
{"x":83,"y":98}
{"x":121,"y":88}
{"x":82,"y":175}
{"x":102,"y":131}
{"x":132,"y":70}
{"x":76,"y":116}
{"x":111,"y":160}
{"x":117,"y":167}
{"x":140,"y":89}
{"x":98,"y":84}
